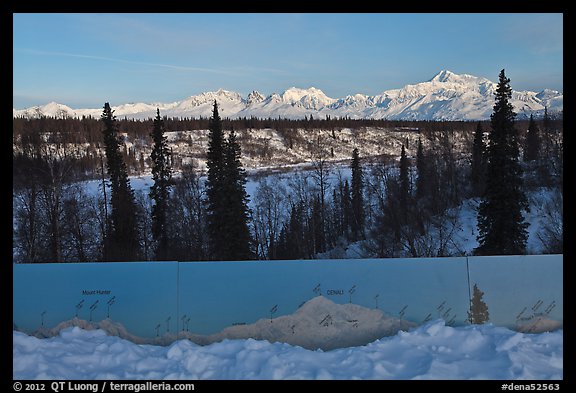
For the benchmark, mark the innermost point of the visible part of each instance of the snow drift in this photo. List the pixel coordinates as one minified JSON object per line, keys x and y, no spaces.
{"x":431,"y":351}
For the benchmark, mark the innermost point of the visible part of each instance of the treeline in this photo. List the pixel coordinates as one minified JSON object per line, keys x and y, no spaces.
{"x":88,"y":129}
{"x":81,"y":140}
{"x":404,"y":206}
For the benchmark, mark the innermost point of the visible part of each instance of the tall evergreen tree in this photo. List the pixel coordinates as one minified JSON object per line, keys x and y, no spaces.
{"x":159,"y":192}
{"x":227,"y":211}
{"x":501,"y":226}
{"x":292,"y":243}
{"x":337,"y":223}
{"x":404,"y":183}
{"x":422,"y":169}
{"x":122,"y":239}
{"x":532,"y":143}
{"x":239,"y":240}
{"x":357,"y":224}
{"x":346,"y":204}
{"x":547,"y":134}
{"x":215,"y":190}
{"x":478,"y":165}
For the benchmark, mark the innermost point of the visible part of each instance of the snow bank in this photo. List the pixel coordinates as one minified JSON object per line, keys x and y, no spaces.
{"x":431,"y":351}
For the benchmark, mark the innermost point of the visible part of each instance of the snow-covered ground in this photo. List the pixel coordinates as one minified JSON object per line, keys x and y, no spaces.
{"x":431,"y":351}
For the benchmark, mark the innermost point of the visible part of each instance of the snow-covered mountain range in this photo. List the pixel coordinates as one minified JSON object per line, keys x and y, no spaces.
{"x":447,"y":96}
{"x":318,"y":323}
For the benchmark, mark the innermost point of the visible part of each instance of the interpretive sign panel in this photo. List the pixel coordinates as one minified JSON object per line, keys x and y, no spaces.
{"x":130,"y":299}
{"x":520,"y":292}
{"x":316,"y":304}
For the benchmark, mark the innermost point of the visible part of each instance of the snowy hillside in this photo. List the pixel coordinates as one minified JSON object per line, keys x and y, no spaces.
{"x":266,"y":148}
{"x":431,"y":351}
{"x":447,"y":96}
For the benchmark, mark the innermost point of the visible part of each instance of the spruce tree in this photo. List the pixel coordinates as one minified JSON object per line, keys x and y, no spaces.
{"x":422,"y":169}
{"x":238,"y":242}
{"x":404,"y":183}
{"x":547,"y":134}
{"x":501,"y":226}
{"x":532,"y":142}
{"x":357,"y":224}
{"x":346,"y":203}
{"x":215,"y":189}
{"x":337,"y":223}
{"x":478,"y":164}
{"x":478,"y":313}
{"x":227,"y":208}
{"x":159,"y":192}
{"x":121,"y":242}
{"x":292,"y":243}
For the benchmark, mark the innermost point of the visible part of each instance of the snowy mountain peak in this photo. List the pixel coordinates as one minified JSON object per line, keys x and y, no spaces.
{"x":295,"y":93}
{"x":548,"y":94}
{"x":274,"y":98}
{"x":255,"y":98}
{"x":311,"y":98}
{"x":230,"y":95}
{"x":52,"y":109}
{"x":209,"y":98}
{"x":446,"y":76}
{"x":443,"y":76}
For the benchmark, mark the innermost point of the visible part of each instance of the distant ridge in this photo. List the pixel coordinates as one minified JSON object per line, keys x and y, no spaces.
{"x":446,"y":96}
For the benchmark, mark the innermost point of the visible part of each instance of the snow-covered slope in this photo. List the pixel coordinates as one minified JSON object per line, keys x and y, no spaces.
{"x":447,"y":96}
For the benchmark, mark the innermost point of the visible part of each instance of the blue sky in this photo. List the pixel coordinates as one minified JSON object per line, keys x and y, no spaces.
{"x":84,"y":60}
